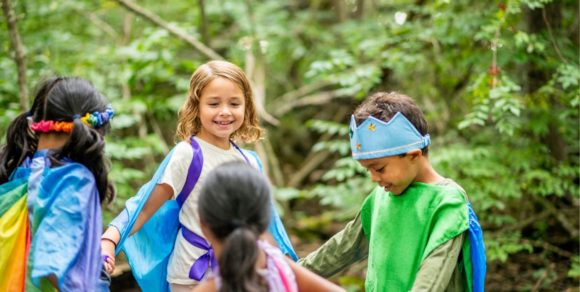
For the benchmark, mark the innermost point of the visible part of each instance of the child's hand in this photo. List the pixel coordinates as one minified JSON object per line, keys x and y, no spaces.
{"x":108,"y":252}
{"x":109,"y":264}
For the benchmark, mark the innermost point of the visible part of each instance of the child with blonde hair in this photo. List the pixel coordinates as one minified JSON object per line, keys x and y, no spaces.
{"x":159,"y":229}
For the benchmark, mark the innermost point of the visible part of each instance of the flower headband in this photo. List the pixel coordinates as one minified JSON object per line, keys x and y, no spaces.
{"x":95,"y":120}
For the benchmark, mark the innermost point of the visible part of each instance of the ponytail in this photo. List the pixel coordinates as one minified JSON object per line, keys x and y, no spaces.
{"x":87,"y":146}
{"x":234,"y":204}
{"x":238,"y":262}
{"x":20,"y":143}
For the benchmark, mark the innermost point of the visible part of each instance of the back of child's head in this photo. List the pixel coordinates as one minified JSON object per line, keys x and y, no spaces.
{"x":384,"y":105}
{"x":189,"y":124}
{"x":62,"y":101}
{"x":234,"y":205}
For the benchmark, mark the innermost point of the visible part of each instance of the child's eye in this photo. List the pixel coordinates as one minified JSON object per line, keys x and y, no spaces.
{"x":235,"y":104}
{"x":213,"y":104}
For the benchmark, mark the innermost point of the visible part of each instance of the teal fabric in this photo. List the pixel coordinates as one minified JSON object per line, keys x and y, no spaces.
{"x":276,"y":227}
{"x":148,"y":250}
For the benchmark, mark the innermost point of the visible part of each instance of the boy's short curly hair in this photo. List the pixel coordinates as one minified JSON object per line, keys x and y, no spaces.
{"x":384,"y":105}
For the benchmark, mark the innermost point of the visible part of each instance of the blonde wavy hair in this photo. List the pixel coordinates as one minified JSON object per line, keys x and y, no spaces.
{"x":188,"y":122}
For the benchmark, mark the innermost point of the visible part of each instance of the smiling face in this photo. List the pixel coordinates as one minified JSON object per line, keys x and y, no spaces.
{"x":221,"y":111}
{"x":394,"y":173}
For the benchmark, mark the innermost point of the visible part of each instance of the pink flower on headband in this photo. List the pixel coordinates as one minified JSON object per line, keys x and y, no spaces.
{"x":42,"y":126}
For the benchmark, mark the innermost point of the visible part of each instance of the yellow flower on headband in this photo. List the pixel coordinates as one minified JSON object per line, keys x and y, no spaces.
{"x":85,"y":119}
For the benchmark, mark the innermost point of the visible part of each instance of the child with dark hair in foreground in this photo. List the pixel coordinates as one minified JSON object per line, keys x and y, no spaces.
{"x":234,"y":211}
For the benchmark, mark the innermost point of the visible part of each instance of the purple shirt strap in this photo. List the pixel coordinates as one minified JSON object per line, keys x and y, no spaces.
{"x":241,"y":152}
{"x":207,"y":260}
{"x":193,"y":173}
{"x":204,"y":262}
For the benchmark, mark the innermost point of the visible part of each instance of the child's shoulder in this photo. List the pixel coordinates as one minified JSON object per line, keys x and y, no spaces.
{"x":71,"y":171}
{"x":183,"y":150}
{"x":253,"y":157}
{"x":452,"y":186}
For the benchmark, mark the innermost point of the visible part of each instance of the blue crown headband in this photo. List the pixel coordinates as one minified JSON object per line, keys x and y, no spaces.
{"x":374,"y":138}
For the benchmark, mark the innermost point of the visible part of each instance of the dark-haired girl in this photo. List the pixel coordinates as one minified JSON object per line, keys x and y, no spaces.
{"x":56,"y":150}
{"x":234,"y":214}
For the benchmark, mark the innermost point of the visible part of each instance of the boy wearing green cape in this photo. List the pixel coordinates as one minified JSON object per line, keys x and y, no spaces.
{"x":416,"y":228}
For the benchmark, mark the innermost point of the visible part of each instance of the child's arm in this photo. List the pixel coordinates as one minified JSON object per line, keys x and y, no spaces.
{"x":343,"y":249}
{"x":436,"y":271}
{"x":206,"y":286}
{"x":160,"y":194}
{"x":309,"y":281}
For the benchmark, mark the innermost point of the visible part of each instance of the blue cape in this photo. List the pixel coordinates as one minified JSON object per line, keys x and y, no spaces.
{"x":478,"y":258}
{"x":148,"y":250}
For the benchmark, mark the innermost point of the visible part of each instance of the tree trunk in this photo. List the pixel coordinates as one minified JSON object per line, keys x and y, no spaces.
{"x":19,"y":56}
{"x":341,"y":10}
{"x":537,"y":20}
{"x":203,"y":27}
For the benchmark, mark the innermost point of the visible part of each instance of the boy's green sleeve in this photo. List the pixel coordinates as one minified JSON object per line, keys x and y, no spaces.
{"x":440,"y":270}
{"x":345,"y":248}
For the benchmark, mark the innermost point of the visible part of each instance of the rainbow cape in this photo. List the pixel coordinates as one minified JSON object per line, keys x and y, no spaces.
{"x":50,"y":224}
{"x":14,"y":232}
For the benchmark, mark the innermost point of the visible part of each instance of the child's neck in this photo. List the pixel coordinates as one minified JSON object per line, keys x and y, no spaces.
{"x":52,"y":140}
{"x":220,"y":143}
{"x":427,"y":174}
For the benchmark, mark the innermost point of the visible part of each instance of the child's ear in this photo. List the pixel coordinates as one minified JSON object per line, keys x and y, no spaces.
{"x":414,"y":154}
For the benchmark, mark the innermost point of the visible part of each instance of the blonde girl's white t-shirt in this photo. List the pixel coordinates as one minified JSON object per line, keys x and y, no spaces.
{"x":184,"y":254}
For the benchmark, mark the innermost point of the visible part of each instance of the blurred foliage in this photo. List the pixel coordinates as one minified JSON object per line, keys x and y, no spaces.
{"x":497,"y":80}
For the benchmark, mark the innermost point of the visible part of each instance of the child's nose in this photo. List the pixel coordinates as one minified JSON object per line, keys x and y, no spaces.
{"x":225,"y":110}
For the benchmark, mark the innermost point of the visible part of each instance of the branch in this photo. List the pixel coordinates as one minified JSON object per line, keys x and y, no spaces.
{"x":159,"y":132}
{"x":19,"y":56}
{"x":526,"y":222}
{"x":99,"y":23}
{"x":314,"y":99}
{"x":178,"y":32}
{"x":314,"y":158}
{"x":542,"y":278}
{"x":560,"y":216}
{"x":549,"y":247}
{"x":267,"y":116}
{"x":552,"y":40}
{"x":265,"y":147}
{"x":302,"y":91}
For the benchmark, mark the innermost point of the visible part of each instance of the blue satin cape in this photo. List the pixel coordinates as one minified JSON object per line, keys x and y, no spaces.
{"x":148,"y":250}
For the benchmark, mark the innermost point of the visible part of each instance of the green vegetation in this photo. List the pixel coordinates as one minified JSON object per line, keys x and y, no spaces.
{"x":498,"y":81}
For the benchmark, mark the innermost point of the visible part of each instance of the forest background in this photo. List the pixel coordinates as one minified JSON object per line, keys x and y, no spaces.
{"x":497,"y":80}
